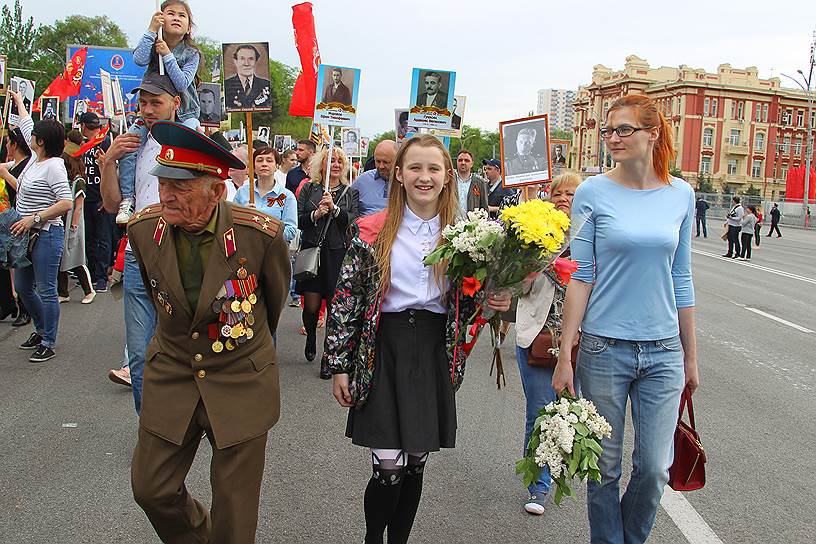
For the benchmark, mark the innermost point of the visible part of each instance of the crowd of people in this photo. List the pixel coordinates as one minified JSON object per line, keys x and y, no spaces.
{"x":211,"y":258}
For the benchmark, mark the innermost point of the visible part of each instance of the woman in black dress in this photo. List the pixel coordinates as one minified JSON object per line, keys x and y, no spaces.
{"x":316,"y":206}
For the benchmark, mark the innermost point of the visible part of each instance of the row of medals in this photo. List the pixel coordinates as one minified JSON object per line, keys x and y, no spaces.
{"x":236,"y":316}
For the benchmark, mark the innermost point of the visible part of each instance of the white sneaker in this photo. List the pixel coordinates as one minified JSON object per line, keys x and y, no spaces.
{"x":125,"y":211}
{"x":89,"y":297}
{"x":64,"y":299}
{"x":535,"y":504}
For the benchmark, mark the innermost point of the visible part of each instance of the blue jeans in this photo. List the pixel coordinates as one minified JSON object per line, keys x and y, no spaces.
{"x":651,"y":374}
{"x":537,"y":384}
{"x":140,"y":324}
{"x":292,"y":293}
{"x":37,"y":284}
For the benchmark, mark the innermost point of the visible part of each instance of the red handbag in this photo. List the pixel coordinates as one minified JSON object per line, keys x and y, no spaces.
{"x":687,"y":472}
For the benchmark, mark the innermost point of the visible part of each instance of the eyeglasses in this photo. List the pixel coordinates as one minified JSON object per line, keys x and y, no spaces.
{"x":622,"y":131}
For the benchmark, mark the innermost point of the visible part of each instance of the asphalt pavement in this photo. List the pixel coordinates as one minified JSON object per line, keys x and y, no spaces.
{"x":67,"y":433}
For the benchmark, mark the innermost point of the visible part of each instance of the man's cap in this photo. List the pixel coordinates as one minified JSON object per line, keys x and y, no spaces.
{"x":188,"y":154}
{"x":492,"y":162}
{"x":155,"y":83}
{"x":220,"y":139}
{"x":89,"y":119}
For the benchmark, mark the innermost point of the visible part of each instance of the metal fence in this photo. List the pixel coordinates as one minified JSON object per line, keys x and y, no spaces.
{"x":720,"y":205}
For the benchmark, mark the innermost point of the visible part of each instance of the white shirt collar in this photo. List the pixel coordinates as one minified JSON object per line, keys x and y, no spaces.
{"x":413,"y":222}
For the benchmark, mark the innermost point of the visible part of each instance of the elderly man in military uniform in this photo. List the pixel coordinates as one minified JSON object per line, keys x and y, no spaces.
{"x":218,"y":276}
{"x":524,"y":161}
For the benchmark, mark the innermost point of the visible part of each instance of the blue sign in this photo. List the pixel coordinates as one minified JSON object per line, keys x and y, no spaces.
{"x":119,"y":63}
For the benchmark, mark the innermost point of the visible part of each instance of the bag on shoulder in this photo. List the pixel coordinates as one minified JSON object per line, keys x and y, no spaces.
{"x":538,"y":354}
{"x":307,"y":261}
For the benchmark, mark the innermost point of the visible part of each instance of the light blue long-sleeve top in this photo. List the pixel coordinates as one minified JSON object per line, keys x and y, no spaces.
{"x":279,"y":203}
{"x":634,"y":246}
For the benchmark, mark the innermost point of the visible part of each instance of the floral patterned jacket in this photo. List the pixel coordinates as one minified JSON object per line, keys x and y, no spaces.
{"x":351,"y":326}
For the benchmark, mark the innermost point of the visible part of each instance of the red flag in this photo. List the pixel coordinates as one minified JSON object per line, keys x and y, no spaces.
{"x":303,"y":95}
{"x":69,"y":81}
{"x":96,"y":140}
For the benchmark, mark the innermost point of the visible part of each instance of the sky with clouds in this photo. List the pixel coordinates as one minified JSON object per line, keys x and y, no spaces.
{"x":502,"y":51}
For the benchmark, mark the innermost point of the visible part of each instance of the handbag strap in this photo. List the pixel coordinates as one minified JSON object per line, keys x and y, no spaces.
{"x":685,"y":397}
{"x":325,"y":230}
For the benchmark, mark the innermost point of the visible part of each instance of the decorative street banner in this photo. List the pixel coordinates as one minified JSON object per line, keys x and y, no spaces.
{"x":432,"y":99}
{"x":525,"y":151}
{"x":246,"y":77}
{"x":118,"y":62}
{"x":455,"y":131}
{"x":336,"y":96}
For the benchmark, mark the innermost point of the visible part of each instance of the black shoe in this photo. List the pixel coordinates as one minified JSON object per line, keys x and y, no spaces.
{"x":22,"y":320}
{"x":727,"y":255}
{"x":33,"y":341}
{"x":735,"y":256}
{"x":311,"y":349}
{"x":8,"y":313}
{"x":42,"y":354}
{"x":103,"y":288}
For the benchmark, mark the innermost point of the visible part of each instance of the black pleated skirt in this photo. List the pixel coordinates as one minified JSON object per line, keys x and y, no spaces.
{"x":411,"y":405}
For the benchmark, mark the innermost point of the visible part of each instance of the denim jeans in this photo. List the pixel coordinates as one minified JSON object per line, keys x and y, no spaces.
{"x":37,"y":284}
{"x":651,"y":374}
{"x":140,"y":324}
{"x":537,"y":384}
{"x":292,"y":293}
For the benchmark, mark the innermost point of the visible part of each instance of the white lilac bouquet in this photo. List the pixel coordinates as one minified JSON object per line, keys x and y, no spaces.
{"x":487,"y":256}
{"x":567,"y":439}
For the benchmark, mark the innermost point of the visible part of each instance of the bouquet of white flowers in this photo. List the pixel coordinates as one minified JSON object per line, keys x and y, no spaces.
{"x":566,"y":439}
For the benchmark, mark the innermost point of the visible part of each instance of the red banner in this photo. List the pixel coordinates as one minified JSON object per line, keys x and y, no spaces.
{"x":303,"y":95}
{"x":795,"y":185}
{"x":96,"y":140}
{"x":69,"y":81}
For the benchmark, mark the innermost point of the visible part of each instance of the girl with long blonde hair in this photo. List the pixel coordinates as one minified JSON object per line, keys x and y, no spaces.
{"x":398,"y":319}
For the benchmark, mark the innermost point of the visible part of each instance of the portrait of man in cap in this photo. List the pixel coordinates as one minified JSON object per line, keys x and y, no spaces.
{"x":525,"y":150}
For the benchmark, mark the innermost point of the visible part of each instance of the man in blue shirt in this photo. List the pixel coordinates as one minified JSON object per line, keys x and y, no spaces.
{"x":304,"y":151}
{"x":373,"y":184}
{"x":497,"y":196}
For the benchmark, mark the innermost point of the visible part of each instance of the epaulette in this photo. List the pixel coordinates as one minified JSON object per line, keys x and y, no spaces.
{"x":151,"y":211}
{"x":253,"y":218}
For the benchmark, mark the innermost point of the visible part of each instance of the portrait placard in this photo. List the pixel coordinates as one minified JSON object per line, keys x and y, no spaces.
{"x":2,"y":74}
{"x":336,"y":97}
{"x":246,"y":76}
{"x":287,"y":142}
{"x":49,"y":108}
{"x":455,"y":131}
{"x":80,"y":107}
{"x":431,"y":104}
{"x":118,"y":98}
{"x":525,"y":151}
{"x":364,"y":146}
{"x":107,"y":94}
{"x":350,"y":138}
{"x":209,"y":98}
{"x":278,"y":143}
{"x":402,"y":129}
{"x":559,"y":153}
{"x":26,"y":88}
{"x":263,"y":134}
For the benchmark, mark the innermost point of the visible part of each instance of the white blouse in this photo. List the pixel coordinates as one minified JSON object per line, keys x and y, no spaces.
{"x":413,"y":285}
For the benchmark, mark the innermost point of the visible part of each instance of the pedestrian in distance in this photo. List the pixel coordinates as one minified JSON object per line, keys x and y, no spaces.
{"x":758,"y":226}
{"x":733,"y":223}
{"x":633,"y":298}
{"x":775,"y":216}
{"x":749,"y":223}
{"x":399,"y":382}
{"x":701,"y":207}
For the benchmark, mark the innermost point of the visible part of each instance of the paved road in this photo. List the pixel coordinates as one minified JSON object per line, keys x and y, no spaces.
{"x":70,"y":484}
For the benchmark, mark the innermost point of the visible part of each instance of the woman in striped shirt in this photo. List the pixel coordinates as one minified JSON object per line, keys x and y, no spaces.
{"x":43,"y":197}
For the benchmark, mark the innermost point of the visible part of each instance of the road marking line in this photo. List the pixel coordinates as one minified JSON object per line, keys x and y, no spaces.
{"x":779,"y":320}
{"x":757,"y":266}
{"x":687,"y":519}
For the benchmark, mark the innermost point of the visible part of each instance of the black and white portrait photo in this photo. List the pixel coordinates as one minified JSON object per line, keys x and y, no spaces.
{"x":26,"y":89}
{"x":559,"y":151}
{"x":525,"y":150}
{"x":49,"y":107}
{"x":246,"y":77}
{"x":278,"y":142}
{"x":351,"y":141}
{"x":80,"y":107}
{"x":336,"y":87}
{"x":209,"y":97}
{"x":263,"y":134}
{"x":433,"y":89}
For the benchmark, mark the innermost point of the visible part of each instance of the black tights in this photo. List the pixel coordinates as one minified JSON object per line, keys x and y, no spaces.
{"x":311,"y":313}
{"x":392,"y":495}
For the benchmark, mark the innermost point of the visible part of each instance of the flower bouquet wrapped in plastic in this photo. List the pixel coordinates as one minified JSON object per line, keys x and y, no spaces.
{"x":566,"y":438}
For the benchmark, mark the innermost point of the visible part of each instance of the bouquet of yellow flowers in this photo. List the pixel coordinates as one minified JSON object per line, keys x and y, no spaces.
{"x":486,"y":256}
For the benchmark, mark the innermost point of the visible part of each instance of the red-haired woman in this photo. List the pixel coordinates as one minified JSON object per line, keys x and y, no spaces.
{"x":395,"y":318}
{"x":633,"y":298}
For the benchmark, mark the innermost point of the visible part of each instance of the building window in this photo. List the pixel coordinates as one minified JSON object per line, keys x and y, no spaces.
{"x":758,"y":116}
{"x":800,"y":118}
{"x":740,"y":106}
{"x":732,"y":166}
{"x":759,"y":141}
{"x":785,"y":173}
{"x":765,"y":113}
{"x":708,"y":136}
{"x":733,"y":109}
{"x":705,"y":165}
{"x":713,"y":107}
{"x":786,"y":144}
{"x":786,"y":117}
{"x":797,"y":147}
{"x":756,"y":169}
{"x":735,"y":136}
{"x":706,"y":107}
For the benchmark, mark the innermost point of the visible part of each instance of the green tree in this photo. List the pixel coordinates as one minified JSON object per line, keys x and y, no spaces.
{"x":210,"y":49}
{"x":559,"y":134}
{"x":704,"y":184}
{"x":17,"y":38}
{"x":676,"y":172}
{"x":52,"y":41}
{"x":752,"y":191}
